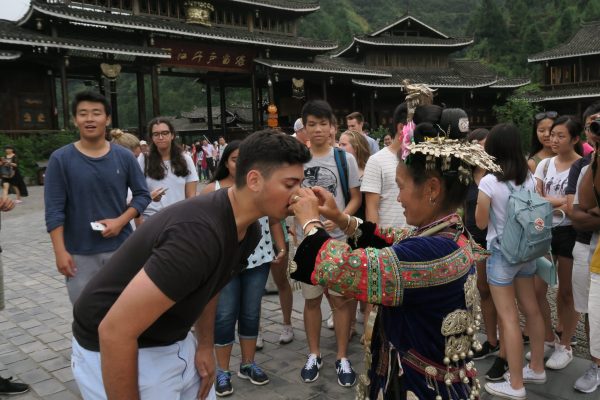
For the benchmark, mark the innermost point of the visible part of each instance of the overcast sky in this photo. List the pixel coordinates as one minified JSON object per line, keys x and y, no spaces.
{"x":13,"y":10}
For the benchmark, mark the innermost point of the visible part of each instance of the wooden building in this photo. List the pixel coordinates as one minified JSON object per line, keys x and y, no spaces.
{"x":571,"y":72}
{"x":226,"y":43}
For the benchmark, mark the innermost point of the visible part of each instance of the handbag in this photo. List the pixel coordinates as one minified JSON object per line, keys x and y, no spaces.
{"x":546,"y":269}
{"x":6,"y":171}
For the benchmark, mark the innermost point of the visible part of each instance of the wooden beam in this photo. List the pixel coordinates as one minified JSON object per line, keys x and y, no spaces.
{"x":254,"y":101}
{"x":223,"y":107}
{"x":141,"y":99}
{"x":65,"y":94}
{"x":155,"y":98}
{"x":113,"y":103}
{"x":209,"y":116}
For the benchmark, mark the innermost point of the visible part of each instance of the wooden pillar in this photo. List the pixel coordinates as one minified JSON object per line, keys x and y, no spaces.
{"x":209,"y":116}
{"x":53,"y":101}
{"x":141,"y":99}
{"x":223,"y":107}
{"x":261,"y":114}
{"x":353,"y":101}
{"x":324,"y":86}
{"x":65,"y":94}
{"x":254,"y":101}
{"x":113,"y":103}
{"x":155,"y":98}
{"x":372,"y":110}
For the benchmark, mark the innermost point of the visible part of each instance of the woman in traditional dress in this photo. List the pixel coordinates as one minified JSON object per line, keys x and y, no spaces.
{"x":423,"y":277}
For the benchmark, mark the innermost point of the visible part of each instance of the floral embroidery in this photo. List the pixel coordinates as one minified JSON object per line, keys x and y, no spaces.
{"x":394,"y":235}
{"x":377,"y":276}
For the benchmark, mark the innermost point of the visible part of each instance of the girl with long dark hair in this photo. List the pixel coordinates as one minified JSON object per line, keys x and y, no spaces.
{"x":171,"y":175}
{"x":540,"y":139}
{"x":509,"y":281}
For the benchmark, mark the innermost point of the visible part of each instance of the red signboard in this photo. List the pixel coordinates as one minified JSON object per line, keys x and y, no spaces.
{"x":206,"y":56}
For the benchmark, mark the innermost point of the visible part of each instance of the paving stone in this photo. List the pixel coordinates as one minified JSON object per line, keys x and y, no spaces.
{"x":43,"y":355}
{"x":34,"y":376}
{"x":12,"y":357}
{"x":33,"y":347}
{"x":64,"y":374}
{"x":22,"y":366}
{"x":47,"y":387}
{"x":55,"y":364}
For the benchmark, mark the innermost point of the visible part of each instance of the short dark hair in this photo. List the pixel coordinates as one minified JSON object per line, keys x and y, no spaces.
{"x":93,"y":97}
{"x":317,"y":108}
{"x":268,"y":149}
{"x":574,"y":127}
{"x":591,"y":110}
{"x":504,"y":144}
{"x":399,"y":117}
{"x":357,"y":116}
{"x":478,"y":134}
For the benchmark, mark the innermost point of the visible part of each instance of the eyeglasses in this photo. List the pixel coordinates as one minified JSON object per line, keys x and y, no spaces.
{"x":163,"y":134}
{"x":546,"y":114}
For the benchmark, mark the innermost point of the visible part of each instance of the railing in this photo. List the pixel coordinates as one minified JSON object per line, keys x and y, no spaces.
{"x":17,"y":134}
{"x":569,"y":85}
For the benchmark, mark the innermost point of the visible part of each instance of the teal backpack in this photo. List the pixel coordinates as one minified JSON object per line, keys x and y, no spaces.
{"x":527,"y":232}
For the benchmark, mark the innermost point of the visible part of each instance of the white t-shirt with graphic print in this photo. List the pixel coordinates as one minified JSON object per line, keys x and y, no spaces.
{"x":554,"y":184}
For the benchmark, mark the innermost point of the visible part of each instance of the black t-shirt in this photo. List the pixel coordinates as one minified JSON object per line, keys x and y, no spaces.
{"x":576,"y":167}
{"x":189,"y":250}
{"x":470,"y":205}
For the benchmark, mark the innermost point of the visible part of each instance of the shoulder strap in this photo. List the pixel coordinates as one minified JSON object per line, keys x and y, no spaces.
{"x":342,"y":166}
{"x":546,"y":166}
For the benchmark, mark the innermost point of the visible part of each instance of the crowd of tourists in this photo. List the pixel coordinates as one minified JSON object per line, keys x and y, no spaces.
{"x":160,"y":276}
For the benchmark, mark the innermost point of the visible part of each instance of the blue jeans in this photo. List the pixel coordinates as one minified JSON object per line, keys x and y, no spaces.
{"x":240,"y":302}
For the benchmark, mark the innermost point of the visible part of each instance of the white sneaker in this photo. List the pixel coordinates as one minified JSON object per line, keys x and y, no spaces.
{"x":548,"y":349}
{"x":330,"y":322}
{"x":529,"y":376}
{"x":560,"y":358}
{"x":590,"y":381}
{"x":259,"y":342}
{"x":287,"y":334}
{"x":505,"y":391}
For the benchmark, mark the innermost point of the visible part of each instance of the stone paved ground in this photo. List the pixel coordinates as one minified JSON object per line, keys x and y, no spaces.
{"x":35,"y":329}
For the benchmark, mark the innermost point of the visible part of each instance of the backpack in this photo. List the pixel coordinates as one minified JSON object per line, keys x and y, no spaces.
{"x":527,"y":232}
{"x":342,"y":167}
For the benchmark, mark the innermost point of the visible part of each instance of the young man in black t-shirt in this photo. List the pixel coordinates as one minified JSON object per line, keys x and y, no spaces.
{"x":131,"y":324}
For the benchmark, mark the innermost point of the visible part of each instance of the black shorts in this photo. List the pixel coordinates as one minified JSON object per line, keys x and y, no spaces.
{"x":563,"y":241}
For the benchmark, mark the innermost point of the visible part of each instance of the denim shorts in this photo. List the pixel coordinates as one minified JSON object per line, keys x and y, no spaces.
{"x":240,"y":302}
{"x":501,"y":273}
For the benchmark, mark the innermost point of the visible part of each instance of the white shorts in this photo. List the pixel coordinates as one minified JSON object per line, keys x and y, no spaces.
{"x":581,"y":276}
{"x":166,"y":372}
{"x":594,"y":314}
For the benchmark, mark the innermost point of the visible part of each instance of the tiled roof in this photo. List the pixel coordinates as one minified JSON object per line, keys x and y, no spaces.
{"x":12,"y":34}
{"x":585,"y":42}
{"x":169,"y":26}
{"x":409,"y":19}
{"x":584,"y":92}
{"x":460,"y":74}
{"x":286,"y":5}
{"x":417,"y":41}
{"x":8,"y":55}
{"x":324,"y":64}
{"x":404,"y":41}
{"x":510,"y":82}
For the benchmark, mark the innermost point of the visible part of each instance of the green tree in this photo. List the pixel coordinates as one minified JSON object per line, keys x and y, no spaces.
{"x":519,"y":111}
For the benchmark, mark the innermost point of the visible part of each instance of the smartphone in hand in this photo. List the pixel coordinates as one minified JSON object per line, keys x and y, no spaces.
{"x":97,"y":226}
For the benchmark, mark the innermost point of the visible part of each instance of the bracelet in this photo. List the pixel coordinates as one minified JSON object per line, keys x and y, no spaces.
{"x":347,"y":224}
{"x":310,"y":221}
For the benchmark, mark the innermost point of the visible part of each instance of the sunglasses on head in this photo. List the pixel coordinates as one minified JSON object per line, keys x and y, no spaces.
{"x":546,"y":114}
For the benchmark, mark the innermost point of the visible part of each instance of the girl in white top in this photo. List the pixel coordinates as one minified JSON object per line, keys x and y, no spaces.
{"x":507,"y":281}
{"x":552,"y":176}
{"x":170,"y":174}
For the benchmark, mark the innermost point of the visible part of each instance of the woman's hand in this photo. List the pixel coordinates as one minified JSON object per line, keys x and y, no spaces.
{"x":328,"y":207}
{"x":305,"y":205}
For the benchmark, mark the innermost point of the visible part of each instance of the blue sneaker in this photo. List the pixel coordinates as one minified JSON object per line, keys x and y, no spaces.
{"x":310,"y":371}
{"x":223,"y":386}
{"x":253,"y":372}
{"x":345,"y":373}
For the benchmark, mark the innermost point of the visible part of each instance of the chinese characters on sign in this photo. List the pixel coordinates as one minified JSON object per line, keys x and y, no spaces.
{"x":216,"y":58}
